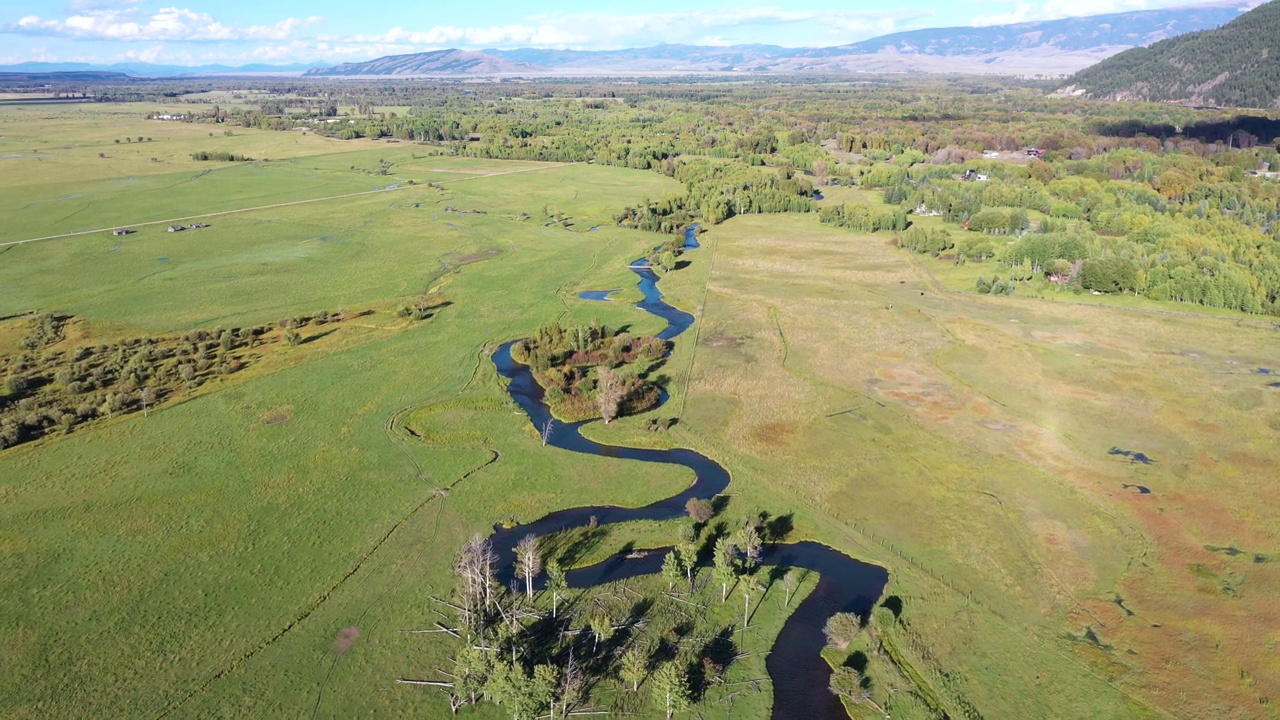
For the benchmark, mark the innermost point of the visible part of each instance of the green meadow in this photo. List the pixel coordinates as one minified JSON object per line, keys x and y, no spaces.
{"x":204,"y":560}
{"x":147,"y":556}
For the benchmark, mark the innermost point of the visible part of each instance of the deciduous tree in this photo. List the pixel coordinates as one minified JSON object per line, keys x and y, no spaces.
{"x":528,"y":562}
{"x":699,"y":510}
{"x":671,"y":688}
{"x":634,"y":667}
{"x":556,"y":583}
{"x":726,"y":565}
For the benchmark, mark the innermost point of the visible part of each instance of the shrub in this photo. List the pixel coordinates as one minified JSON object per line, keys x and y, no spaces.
{"x":841,"y":630}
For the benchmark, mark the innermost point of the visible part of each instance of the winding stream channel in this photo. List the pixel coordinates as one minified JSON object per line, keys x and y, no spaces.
{"x":799,"y":674}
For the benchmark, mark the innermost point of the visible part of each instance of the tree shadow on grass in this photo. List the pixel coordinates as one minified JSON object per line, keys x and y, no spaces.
{"x":316,"y":336}
{"x":893,"y":604}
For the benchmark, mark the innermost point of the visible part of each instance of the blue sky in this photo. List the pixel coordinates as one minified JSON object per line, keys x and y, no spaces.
{"x":190,"y":32}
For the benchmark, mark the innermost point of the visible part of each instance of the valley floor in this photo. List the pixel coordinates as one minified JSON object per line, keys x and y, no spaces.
{"x":211,"y":558}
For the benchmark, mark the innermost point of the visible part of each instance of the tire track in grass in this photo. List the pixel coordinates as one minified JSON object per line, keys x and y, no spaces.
{"x":443,"y":495}
{"x":697,"y":326}
{"x":320,"y":601}
{"x":435,"y":532}
{"x":394,"y":420}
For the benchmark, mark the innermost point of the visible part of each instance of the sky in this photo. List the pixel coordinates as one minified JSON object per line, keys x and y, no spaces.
{"x":237,"y":32}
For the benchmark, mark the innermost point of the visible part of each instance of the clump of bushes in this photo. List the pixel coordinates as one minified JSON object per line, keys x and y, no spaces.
{"x":205,"y":155}
{"x":931,"y":242}
{"x":591,"y":371}
{"x":51,"y":389}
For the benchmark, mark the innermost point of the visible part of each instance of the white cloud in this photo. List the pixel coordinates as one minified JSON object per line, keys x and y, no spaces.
{"x":288,"y":41}
{"x":173,"y":24}
{"x":149,"y":55}
{"x":445,"y":35}
{"x":599,"y":31}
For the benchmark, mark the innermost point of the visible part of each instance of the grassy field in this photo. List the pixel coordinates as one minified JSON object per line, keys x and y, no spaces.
{"x":963,"y":441}
{"x":145,"y":557}
{"x":204,"y":560}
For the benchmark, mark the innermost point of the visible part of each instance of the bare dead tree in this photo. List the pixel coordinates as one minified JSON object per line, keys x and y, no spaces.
{"x":611,"y":391}
{"x":546,"y":430}
{"x":572,"y":685}
{"x":528,"y":562}
{"x":474,"y":568}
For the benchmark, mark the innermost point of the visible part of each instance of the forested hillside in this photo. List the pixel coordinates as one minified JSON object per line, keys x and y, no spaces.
{"x":1236,"y":65}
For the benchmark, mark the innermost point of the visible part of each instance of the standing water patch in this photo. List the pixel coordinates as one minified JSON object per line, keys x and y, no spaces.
{"x":597,"y":295}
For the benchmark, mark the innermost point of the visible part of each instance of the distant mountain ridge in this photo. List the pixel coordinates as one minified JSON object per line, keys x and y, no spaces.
{"x":1128,"y":29}
{"x":1049,"y":47}
{"x":1237,"y":64}
{"x":141,"y":69}
{"x":26,"y":79}
{"x":438,"y":62}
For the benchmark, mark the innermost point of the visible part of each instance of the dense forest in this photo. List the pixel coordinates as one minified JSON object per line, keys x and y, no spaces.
{"x":1234,"y":65}
{"x":1168,"y":202}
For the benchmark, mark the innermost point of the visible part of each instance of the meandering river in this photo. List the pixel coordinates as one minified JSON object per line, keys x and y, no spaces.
{"x":799,"y":674}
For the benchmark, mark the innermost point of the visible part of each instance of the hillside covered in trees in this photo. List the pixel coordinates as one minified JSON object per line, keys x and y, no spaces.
{"x":1236,"y":65}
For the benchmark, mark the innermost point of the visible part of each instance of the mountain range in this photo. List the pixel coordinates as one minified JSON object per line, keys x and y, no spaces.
{"x":1237,"y":64}
{"x":142,"y":69}
{"x":1050,"y":47}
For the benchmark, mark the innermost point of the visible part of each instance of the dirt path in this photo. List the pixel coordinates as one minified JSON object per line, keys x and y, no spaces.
{"x":174,"y":221}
